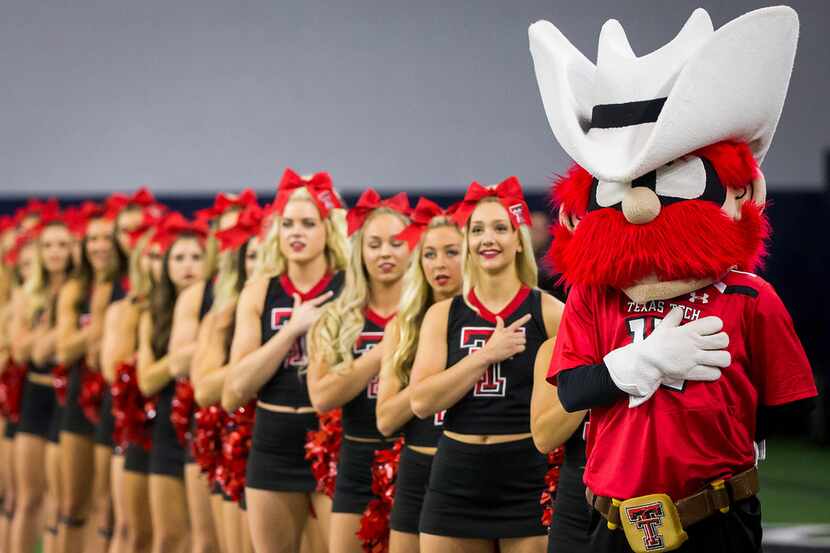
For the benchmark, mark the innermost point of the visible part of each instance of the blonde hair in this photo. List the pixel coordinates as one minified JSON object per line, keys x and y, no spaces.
{"x":36,"y":287}
{"x":271,"y":262}
{"x":526,"y":267}
{"x":334,"y":334}
{"x":141,"y":283}
{"x":416,"y":298}
{"x":226,"y":289}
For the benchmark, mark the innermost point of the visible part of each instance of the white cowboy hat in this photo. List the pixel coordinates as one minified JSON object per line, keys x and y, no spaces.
{"x":629,"y":115}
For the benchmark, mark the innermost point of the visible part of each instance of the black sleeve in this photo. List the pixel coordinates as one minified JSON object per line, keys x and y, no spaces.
{"x":782,"y":417}
{"x":586,"y":387}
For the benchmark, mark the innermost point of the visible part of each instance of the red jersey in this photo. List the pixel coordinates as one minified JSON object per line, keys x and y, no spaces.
{"x":685,"y":437}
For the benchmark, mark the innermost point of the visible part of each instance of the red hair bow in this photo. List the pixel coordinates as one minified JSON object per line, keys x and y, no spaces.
{"x":224,"y":202}
{"x":142,"y":197}
{"x":6,"y":223}
{"x":173,"y":225}
{"x":247,"y":226}
{"x":425,"y":211}
{"x":508,"y":192}
{"x":151,"y":218}
{"x":20,"y":242}
{"x":37,"y":207}
{"x":369,"y":201}
{"x":319,"y":186}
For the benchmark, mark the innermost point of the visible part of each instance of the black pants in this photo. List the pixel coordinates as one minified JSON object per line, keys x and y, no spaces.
{"x":738,"y":531}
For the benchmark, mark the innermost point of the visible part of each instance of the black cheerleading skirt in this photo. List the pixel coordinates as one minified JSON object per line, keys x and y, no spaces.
{"x":74,"y":421}
{"x":485,"y":491}
{"x":353,"y":487}
{"x":277,"y":459}
{"x":570,"y":527}
{"x":410,"y":488}
{"x":10,"y":430}
{"x":167,"y":454}
{"x":137,"y":459}
{"x":106,"y":427}
{"x":55,"y":424}
{"x":36,"y":409}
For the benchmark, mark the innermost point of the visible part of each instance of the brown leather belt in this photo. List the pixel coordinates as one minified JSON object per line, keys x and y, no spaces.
{"x":717,"y":497}
{"x":40,"y":378}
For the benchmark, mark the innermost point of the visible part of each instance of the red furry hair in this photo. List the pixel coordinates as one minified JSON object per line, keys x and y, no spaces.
{"x":692,"y":239}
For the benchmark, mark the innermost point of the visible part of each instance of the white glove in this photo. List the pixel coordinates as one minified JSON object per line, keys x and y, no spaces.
{"x":670,"y":354}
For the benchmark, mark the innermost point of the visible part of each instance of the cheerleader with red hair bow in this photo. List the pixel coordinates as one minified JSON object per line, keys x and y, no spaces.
{"x":434,"y":275}
{"x":182,"y":244}
{"x":301,"y":260}
{"x":343,"y":366}
{"x":81,"y":309}
{"x":18,"y":255}
{"x":32,"y":334}
{"x":214,"y":427}
{"x":191,"y":307}
{"x":474,"y":359}
{"x":113,"y":485}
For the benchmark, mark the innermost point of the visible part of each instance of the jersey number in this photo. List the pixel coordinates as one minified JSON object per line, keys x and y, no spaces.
{"x":492,"y":383}
{"x":640,"y":329}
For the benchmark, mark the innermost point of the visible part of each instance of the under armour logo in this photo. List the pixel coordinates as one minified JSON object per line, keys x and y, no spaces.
{"x":693,"y":297}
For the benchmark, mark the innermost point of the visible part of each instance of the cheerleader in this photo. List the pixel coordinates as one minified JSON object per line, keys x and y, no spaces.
{"x":552,"y":427}
{"x":433,"y":276}
{"x":21,"y":258}
{"x":130,"y":214}
{"x":191,"y":307}
{"x":237,"y":258}
{"x":303,"y":254}
{"x":81,"y":308}
{"x":33,"y":344}
{"x":121,"y":345}
{"x":474,"y":359}
{"x":183,"y":245}
{"x":343,"y":368}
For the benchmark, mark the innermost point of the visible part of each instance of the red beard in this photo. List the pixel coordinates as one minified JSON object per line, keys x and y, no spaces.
{"x":688,"y":240}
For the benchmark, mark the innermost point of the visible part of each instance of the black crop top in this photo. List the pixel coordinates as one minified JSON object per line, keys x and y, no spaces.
{"x":288,"y":386}
{"x":499,"y":403}
{"x":359,"y":418}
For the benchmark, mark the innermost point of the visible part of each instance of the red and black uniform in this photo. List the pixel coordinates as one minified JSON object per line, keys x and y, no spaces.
{"x":687,"y":436}
{"x":489,"y":491}
{"x":38,"y":404}
{"x":353,"y":488}
{"x":571,"y":516}
{"x":105,"y":428}
{"x":414,"y":469}
{"x":277,"y":458}
{"x":168,"y":455}
{"x":204,"y":307}
{"x":75,"y":420}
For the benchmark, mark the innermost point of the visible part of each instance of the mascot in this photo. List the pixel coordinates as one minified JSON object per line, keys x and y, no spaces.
{"x":680,"y":352}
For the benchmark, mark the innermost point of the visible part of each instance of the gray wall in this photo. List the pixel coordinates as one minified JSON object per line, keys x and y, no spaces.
{"x":194,"y":96}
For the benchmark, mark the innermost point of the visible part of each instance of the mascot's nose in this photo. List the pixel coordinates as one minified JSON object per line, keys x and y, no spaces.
{"x":640,"y":205}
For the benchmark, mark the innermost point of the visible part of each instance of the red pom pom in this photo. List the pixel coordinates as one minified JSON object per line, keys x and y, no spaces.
{"x":374,"y":524}
{"x":11,"y":391}
{"x":206,"y":445}
{"x":555,"y":460}
{"x":91,"y":395}
{"x":132,"y":412}
{"x":236,"y":444}
{"x":60,"y":379}
{"x":322,"y":448}
{"x":181,"y":411}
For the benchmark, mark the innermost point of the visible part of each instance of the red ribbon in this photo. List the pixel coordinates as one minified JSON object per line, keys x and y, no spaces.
{"x":6,"y":223}
{"x":173,"y":225}
{"x":247,"y":226}
{"x":20,"y":242}
{"x":142,"y":197}
{"x":36,"y":207}
{"x":425,"y":211}
{"x":509,"y":194}
{"x":319,"y":187}
{"x":224,"y":202}
{"x":369,"y":201}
